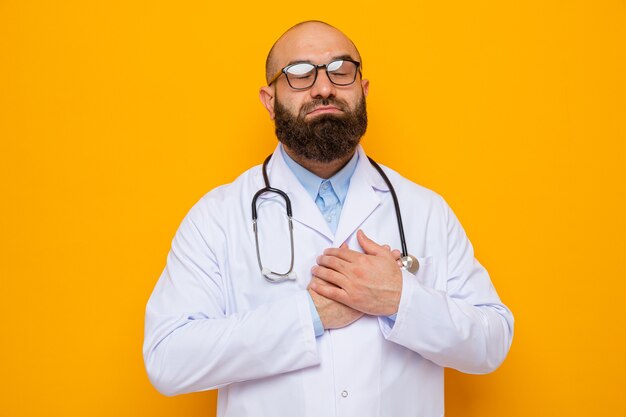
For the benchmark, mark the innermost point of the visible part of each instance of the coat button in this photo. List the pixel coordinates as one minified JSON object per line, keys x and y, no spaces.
{"x":344,"y":393}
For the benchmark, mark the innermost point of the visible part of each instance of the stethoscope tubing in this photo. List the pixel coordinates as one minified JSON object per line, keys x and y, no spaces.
{"x":271,"y":276}
{"x":276,"y":277}
{"x":396,"y":205}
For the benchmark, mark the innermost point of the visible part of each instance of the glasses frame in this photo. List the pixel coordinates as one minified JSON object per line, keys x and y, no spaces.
{"x":317,"y":67}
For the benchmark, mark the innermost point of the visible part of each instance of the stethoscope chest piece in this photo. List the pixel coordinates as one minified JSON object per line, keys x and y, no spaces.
{"x":410,"y":263}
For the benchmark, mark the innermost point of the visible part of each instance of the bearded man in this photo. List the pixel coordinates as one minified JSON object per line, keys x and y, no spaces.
{"x":281,"y":289}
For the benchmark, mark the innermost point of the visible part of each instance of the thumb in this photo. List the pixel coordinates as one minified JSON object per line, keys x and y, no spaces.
{"x":369,"y":246}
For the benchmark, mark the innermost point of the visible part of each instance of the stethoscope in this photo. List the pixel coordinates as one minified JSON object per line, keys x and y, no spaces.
{"x":409,"y":262}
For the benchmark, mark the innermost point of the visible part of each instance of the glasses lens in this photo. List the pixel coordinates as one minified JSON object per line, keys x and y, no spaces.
{"x":342,"y":72}
{"x":300,"y":75}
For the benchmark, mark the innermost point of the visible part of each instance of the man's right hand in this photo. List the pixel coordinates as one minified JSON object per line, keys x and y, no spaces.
{"x":333,"y":314}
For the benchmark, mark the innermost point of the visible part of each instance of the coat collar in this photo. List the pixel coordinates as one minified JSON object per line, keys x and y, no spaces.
{"x":360,"y":202}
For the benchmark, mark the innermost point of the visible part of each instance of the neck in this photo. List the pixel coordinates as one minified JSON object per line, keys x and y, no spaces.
{"x":323,"y":170}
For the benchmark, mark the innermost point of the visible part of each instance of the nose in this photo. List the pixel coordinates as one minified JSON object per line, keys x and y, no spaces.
{"x":322,"y":87}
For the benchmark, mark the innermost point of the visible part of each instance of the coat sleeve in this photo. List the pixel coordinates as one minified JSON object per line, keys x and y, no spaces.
{"x":464,"y":326}
{"x":195,"y":341}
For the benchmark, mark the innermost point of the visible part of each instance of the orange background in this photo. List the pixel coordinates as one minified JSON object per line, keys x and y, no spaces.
{"x":116,"y":116}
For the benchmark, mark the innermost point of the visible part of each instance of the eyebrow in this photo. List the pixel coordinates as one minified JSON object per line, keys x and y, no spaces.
{"x":335,"y":58}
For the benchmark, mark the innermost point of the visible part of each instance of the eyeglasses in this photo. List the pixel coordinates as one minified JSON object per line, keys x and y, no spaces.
{"x":302,"y":75}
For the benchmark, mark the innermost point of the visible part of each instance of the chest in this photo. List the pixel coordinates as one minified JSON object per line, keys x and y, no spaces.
{"x":280,"y":247}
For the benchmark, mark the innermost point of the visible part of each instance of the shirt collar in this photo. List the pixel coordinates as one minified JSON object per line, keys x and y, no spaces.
{"x":311,"y":182}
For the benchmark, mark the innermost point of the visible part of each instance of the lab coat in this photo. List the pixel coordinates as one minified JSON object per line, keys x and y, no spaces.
{"x":213,"y":321}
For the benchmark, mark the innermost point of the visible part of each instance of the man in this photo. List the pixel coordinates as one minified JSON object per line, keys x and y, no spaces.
{"x":346,"y":331}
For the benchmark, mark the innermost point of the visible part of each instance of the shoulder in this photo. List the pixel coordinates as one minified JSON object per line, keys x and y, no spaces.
{"x":405,"y":188}
{"x":227,"y":198}
{"x":419,"y":201}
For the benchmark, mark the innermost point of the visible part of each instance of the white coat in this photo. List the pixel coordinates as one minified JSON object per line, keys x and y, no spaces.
{"x":213,"y":321}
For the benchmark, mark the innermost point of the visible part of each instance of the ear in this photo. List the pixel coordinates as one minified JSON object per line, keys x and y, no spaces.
{"x":266,"y":94}
{"x":365,"y":85}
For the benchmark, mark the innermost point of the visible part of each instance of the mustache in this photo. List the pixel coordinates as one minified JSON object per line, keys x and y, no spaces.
{"x":317,"y":102}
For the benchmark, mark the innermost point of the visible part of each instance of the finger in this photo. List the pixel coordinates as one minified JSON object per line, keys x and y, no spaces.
{"x":343,"y":253}
{"x":333,"y":262}
{"x":387,"y":247}
{"x":318,"y":281}
{"x":369,"y":246}
{"x":331,"y":276}
{"x":328,"y":290}
{"x":396,"y":254}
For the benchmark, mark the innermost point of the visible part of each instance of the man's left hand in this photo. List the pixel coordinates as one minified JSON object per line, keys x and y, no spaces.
{"x":370,"y":282}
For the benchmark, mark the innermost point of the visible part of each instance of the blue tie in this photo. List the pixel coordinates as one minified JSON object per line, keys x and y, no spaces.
{"x":328,"y":203}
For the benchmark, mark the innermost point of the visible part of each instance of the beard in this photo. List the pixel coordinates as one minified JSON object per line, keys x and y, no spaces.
{"x":325,"y":138}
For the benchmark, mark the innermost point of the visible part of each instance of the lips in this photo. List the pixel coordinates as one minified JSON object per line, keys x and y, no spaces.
{"x":325,"y":109}
{"x":320,"y":106}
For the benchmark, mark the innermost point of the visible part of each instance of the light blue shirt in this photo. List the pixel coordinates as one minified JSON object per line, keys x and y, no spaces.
{"x":329,"y":196}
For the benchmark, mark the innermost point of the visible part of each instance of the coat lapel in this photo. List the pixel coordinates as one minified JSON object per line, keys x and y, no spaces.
{"x":362,"y":198}
{"x":361,"y":201}
{"x":304,"y":209}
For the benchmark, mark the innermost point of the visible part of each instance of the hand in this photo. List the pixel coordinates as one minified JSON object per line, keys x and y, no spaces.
{"x":334,"y":315}
{"x":369,"y":282}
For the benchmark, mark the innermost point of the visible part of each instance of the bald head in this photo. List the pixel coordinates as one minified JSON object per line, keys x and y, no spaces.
{"x":295,"y":43}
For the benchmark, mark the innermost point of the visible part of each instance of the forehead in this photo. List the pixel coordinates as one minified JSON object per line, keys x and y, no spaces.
{"x":312,"y":42}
